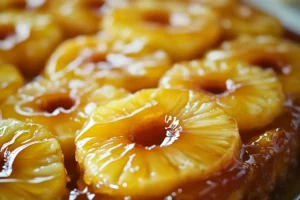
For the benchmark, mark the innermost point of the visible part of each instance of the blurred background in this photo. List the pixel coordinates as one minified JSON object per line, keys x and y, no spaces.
{"x":288,"y":11}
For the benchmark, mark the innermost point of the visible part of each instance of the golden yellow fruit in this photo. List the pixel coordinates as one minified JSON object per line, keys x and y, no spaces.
{"x":220,"y":6}
{"x":249,"y":94}
{"x":133,"y":64}
{"x":242,"y":19}
{"x":267,"y":52}
{"x":10,"y":80}
{"x":27,"y":39}
{"x":31,"y":162}
{"x":61,"y":106}
{"x":184,"y":30}
{"x":158,"y":139}
{"x":78,"y":17}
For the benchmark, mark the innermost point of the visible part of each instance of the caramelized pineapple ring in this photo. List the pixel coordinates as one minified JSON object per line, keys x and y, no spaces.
{"x":78,"y":17}
{"x":61,"y":106}
{"x":155,"y":139}
{"x":249,"y":94}
{"x":10,"y":80}
{"x":129,"y":64}
{"x":31,"y":162}
{"x":242,"y":19}
{"x":267,"y":52}
{"x":184,"y":30}
{"x":27,"y":39}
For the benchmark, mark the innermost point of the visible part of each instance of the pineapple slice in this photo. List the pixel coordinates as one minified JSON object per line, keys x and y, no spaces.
{"x":267,"y":52}
{"x":82,"y":17}
{"x":62,"y":106}
{"x":184,"y":30}
{"x":10,"y":80}
{"x":87,"y":14}
{"x":31,"y":162}
{"x":242,"y":19}
{"x":251,"y":95}
{"x":129,"y":64}
{"x":155,"y":139}
{"x":27,"y":39}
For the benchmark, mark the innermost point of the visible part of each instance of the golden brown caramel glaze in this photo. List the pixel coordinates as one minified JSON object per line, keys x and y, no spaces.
{"x":133,"y":64}
{"x":27,"y":39}
{"x":10,"y":80}
{"x":270,"y":156}
{"x":183,"y":29}
{"x":226,"y":184}
{"x":267,"y":158}
{"x":31,"y":162}
{"x":117,"y":164}
{"x":249,"y":94}
{"x":269,"y":52}
{"x":282,"y":141}
{"x":61,"y":106}
{"x":265,"y":161}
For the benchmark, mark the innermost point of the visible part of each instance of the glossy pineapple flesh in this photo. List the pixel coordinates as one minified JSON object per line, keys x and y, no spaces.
{"x":122,"y":63}
{"x":32,"y":36}
{"x":242,"y":19}
{"x":31,"y":162}
{"x":62,"y":106}
{"x":184,"y":30}
{"x":174,"y":143}
{"x":267,"y":52}
{"x":249,"y":94}
{"x":86,"y":15}
{"x":155,"y":138}
{"x":10,"y":80}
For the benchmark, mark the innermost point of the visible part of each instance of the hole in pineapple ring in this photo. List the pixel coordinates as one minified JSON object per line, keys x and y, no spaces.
{"x":97,"y":58}
{"x":160,"y":132}
{"x":278,"y":66}
{"x":159,"y":18}
{"x":52,"y":103}
{"x":6,"y":31}
{"x":215,"y":88}
{"x":21,"y":4}
{"x":100,"y":60}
